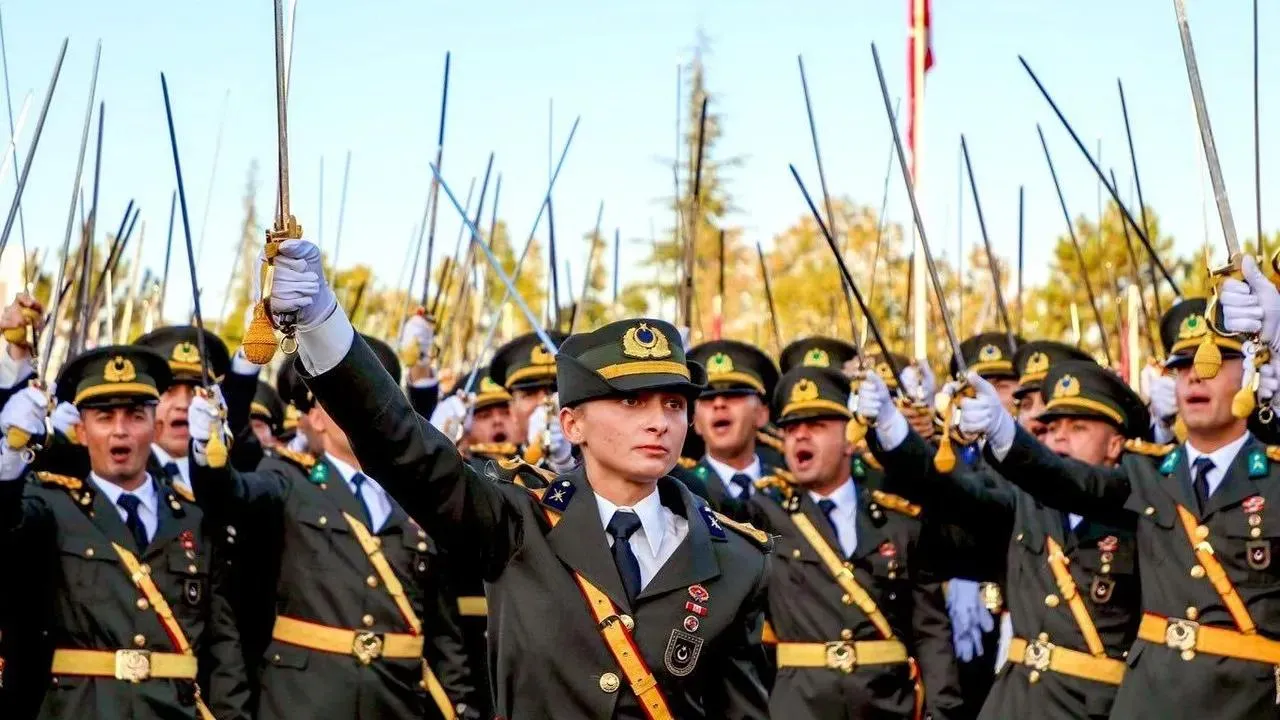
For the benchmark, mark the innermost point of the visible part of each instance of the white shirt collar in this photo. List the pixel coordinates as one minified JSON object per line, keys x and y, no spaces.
{"x":649,"y":510}
{"x":1222,"y":459}
{"x":146,"y":493}
{"x":845,"y":496}
{"x":165,"y":457}
{"x":725,"y":471}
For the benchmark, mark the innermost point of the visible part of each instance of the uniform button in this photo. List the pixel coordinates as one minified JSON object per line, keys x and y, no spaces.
{"x":1034,"y":677}
{"x":1202,"y":532}
{"x":422,"y":567}
{"x":371,"y":581}
{"x":627,"y":622}
{"x":275,"y":658}
{"x":893,"y":596}
{"x":1051,"y":600}
{"x":1188,"y":655}
{"x":88,"y":552}
{"x":846,"y":599}
{"x":367,"y":620}
{"x":1192,"y":613}
{"x":848,"y":566}
{"x":1253,"y":532}
{"x":892,"y":575}
{"x":795,"y":553}
{"x":140,"y":640}
{"x":231,"y":530}
{"x":324,"y":520}
{"x":191,"y":554}
{"x":609,"y":682}
{"x":143,"y":604}
{"x":846,"y":634}
{"x":1019,"y":538}
{"x":1043,"y":637}
{"x":1149,"y":511}
{"x":231,"y":540}
{"x":422,"y":534}
{"x":145,"y":569}
{"x":422,"y":547}
{"x":192,"y":569}
{"x":1106,"y":568}
{"x":1197,"y":571}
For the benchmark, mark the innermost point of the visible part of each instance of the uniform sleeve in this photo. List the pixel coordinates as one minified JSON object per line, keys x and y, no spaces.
{"x":1064,"y":483}
{"x":735,"y":691}
{"x":227,"y":693}
{"x":226,"y":495}
{"x":468,"y":514}
{"x":960,"y":496}
{"x":424,"y":398}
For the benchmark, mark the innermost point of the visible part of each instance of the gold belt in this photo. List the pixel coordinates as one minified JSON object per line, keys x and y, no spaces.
{"x":1192,"y":637}
{"x":473,"y":606}
{"x":1043,"y":655}
{"x":363,"y":645}
{"x":131,"y":665}
{"x":843,"y":655}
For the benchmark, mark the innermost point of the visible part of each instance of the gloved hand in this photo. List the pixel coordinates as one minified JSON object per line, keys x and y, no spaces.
{"x":417,"y":334}
{"x":65,"y":417}
{"x":12,"y":464}
{"x":919,"y":382}
{"x":1162,"y":394}
{"x":204,"y":413}
{"x":985,"y":414}
{"x":299,"y":285}
{"x":26,"y":409}
{"x":298,"y":443}
{"x":969,"y":618}
{"x":1269,"y":382}
{"x":1251,"y":306}
{"x":875,"y":406}
{"x":560,"y":450}
{"x":452,"y":417}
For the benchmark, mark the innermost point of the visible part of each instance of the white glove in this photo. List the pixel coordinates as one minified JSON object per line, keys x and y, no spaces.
{"x":1163,"y":402}
{"x":537,"y":426}
{"x":875,"y":405}
{"x":418,"y":334}
{"x":299,"y":285}
{"x":560,"y":455}
{"x":203,"y":413}
{"x":452,"y":417}
{"x":241,"y":365}
{"x":685,"y":334}
{"x":1269,"y":382}
{"x":1252,"y":306}
{"x":26,"y":409}
{"x":65,"y":417}
{"x":12,"y":466}
{"x":918,"y":381}
{"x":298,"y":443}
{"x":985,"y":414}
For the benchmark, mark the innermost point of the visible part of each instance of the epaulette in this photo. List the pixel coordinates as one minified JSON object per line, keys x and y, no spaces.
{"x":1142,"y":447}
{"x":62,"y":481}
{"x":182,"y":491}
{"x":897,"y":503}
{"x":504,"y":450}
{"x":769,"y":439}
{"x":1273,"y":452}
{"x":304,"y":460}
{"x":515,"y":466}
{"x":687,"y":463}
{"x":871,"y":461}
{"x":747,"y":530}
{"x":780,"y":479}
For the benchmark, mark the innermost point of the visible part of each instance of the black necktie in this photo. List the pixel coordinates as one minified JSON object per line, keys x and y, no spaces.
{"x":743,"y":483}
{"x":828,"y":506}
{"x":130,"y":504}
{"x":357,"y":481}
{"x":621,"y":527}
{"x":1200,"y":480}
{"x":171,"y":470}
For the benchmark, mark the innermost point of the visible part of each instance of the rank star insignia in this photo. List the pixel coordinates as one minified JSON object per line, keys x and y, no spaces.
{"x":713,"y":525}
{"x":557,"y":496}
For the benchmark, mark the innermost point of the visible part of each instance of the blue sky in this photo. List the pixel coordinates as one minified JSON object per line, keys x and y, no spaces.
{"x":366,"y":78}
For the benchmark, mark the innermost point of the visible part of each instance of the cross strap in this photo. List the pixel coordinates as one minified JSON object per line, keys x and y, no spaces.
{"x":842,"y":574}
{"x":1215,"y":573}
{"x":1071,"y":593}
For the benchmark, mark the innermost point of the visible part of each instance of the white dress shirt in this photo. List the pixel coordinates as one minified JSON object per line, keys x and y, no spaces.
{"x":845,"y":516}
{"x":1222,"y":459}
{"x":183,"y":463}
{"x":148,"y":499}
{"x":375,"y":498}
{"x":726,"y":472}
{"x":661,"y":532}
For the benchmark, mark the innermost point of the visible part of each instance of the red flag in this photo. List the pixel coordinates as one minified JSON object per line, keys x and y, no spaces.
{"x":918,"y":14}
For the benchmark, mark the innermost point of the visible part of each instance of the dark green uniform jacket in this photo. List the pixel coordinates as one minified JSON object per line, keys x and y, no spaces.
{"x":547,"y":657}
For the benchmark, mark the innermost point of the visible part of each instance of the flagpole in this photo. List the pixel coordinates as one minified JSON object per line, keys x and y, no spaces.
{"x":920,"y":300}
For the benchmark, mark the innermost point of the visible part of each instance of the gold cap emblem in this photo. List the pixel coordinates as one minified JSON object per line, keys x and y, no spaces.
{"x":1193,"y":326}
{"x":539,"y":356}
{"x":1067,"y":386}
{"x":643,"y":342}
{"x":804,"y":391}
{"x":719,"y":364}
{"x":1037,"y":363}
{"x":119,"y":369}
{"x":185,"y":352}
{"x":817,"y":357}
{"x":487,"y":385}
{"x":989,"y":353}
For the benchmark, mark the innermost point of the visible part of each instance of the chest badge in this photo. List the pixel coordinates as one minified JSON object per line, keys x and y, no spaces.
{"x":888,"y":549}
{"x":682,"y":653}
{"x":1102,"y":589}
{"x":192,"y":592}
{"x":1258,"y":553}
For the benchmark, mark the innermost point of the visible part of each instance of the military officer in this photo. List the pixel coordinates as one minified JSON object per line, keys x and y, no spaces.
{"x":135,"y":609}
{"x":848,"y":591}
{"x":615,"y":593}
{"x":360,"y":622}
{"x":729,"y":415}
{"x":528,"y":371}
{"x":1032,"y":361}
{"x":1206,"y":644}
{"x":266,"y":415}
{"x":1072,"y":583}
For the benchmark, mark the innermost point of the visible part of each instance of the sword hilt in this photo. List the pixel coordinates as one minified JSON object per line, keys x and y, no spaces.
{"x":945,"y":459}
{"x":259,"y":339}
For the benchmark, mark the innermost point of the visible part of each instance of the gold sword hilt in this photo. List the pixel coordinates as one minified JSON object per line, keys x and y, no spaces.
{"x":260,"y":339}
{"x":18,"y":439}
{"x":944,"y":461}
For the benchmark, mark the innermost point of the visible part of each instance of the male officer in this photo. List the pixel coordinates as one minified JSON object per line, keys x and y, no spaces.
{"x":528,"y":371}
{"x":849,"y":597}
{"x":1072,"y":584}
{"x":266,"y":415}
{"x":1032,"y":361}
{"x":360,"y":621}
{"x":728,"y":416}
{"x":615,"y":593}
{"x":135,"y":609}
{"x":1206,"y":644}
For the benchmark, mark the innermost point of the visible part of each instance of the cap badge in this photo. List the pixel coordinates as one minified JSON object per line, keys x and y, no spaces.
{"x":487,"y":385}
{"x":643,"y":342}
{"x":804,"y":391}
{"x":119,"y":369}
{"x":989,"y":353}
{"x":1193,"y":326}
{"x":539,"y":356}
{"x":185,"y":352}
{"x":884,"y":371}
{"x":1067,"y":386}
{"x":719,"y":364}
{"x":1037,"y":363}
{"x":817,"y":357}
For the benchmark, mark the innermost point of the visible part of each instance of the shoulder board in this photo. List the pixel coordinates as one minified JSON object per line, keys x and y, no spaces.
{"x":305,"y":460}
{"x":182,"y":491}
{"x":747,"y":530}
{"x":687,"y":463}
{"x":769,"y":439}
{"x":1273,"y":452}
{"x":897,"y":503}
{"x":516,"y":466}
{"x":1142,"y":447}
{"x":505,"y":450}
{"x":62,"y":481}
{"x":871,"y":461}
{"x":780,"y":479}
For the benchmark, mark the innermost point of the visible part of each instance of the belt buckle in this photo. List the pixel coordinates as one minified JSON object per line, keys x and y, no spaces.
{"x":133,"y":665}
{"x":992,"y":596}
{"x":841,"y":656}
{"x":367,"y":647}
{"x":1181,"y":634}
{"x":1037,"y":654}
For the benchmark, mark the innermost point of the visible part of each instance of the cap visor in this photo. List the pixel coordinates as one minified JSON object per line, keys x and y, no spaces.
{"x":815,"y":414}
